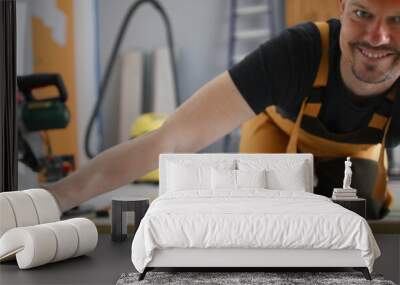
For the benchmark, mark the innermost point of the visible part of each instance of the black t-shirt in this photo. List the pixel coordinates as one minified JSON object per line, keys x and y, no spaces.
{"x":282,"y":71}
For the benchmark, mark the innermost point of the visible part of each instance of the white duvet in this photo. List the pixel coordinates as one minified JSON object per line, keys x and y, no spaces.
{"x":251,"y":218}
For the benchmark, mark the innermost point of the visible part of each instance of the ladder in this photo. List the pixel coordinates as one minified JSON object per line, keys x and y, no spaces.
{"x":251,"y":23}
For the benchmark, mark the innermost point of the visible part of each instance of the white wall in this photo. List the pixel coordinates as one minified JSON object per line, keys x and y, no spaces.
{"x":201,"y":34}
{"x":85,"y":72}
{"x":24,"y":37}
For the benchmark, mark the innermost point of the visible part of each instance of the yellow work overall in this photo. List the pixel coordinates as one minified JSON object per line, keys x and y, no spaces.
{"x":270,"y":132}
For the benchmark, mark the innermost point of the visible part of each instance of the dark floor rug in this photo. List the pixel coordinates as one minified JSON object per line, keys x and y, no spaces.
{"x":230,"y":278}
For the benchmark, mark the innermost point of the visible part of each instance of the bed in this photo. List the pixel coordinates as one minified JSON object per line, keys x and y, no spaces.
{"x":246,"y":211}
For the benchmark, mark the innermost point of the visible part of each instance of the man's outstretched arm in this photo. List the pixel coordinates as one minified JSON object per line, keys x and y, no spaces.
{"x":213,"y":111}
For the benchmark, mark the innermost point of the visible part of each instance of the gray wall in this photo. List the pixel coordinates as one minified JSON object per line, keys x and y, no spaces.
{"x":201,"y":33}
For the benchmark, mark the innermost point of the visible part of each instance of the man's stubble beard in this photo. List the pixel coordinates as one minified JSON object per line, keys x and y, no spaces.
{"x":389,"y":75}
{"x":371,"y":68}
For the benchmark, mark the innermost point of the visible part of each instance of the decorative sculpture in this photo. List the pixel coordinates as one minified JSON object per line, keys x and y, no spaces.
{"x":347,"y":174}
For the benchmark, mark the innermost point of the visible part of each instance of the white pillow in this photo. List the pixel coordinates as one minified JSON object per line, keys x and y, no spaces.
{"x":181,"y":177}
{"x":236,"y":179}
{"x":293,"y":180}
{"x":251,"y":178}
{"x":223,"y":179}
{"x":281,"y":174}
{"x":186,"y":174}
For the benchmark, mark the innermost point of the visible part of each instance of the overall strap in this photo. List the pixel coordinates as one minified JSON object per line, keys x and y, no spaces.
{"x":320,"y":81}
{"x":381,"y":179}
{"x":292,"y":145}
{"x":379,"y":121}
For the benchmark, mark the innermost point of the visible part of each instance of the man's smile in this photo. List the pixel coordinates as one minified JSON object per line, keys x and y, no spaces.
{"x":374,"y":54}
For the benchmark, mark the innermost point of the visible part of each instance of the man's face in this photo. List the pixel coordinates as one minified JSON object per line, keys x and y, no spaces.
{"x":370,"y":39}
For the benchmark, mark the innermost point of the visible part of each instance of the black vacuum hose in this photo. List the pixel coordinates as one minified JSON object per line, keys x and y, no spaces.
{"x":113,"y":57}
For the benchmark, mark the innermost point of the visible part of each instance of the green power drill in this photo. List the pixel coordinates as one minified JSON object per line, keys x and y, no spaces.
{"x":46,"y":113}
{"x":35,"y":117}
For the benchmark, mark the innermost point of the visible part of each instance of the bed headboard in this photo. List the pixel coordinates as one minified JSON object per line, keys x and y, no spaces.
{"x":164,"y":158}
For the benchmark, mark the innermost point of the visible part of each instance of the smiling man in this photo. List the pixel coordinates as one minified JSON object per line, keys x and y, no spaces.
{"x":370,"y":45}
{"x":327,"y":88}
{"x":337,"y":81}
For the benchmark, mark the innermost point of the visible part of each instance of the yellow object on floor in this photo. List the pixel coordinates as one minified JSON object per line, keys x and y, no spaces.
{"x":146,"y":123}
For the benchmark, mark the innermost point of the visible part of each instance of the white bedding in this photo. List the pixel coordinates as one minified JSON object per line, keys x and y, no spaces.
{"x":251,"y":218}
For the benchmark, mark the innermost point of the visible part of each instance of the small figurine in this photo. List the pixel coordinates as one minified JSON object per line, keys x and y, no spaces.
{"x":347,"y":174}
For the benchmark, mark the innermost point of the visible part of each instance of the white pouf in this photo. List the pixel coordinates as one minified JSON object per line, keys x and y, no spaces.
{"x":7,"y":218}
{"x":40,"y":244}
{"x":45,"y":204}
{"x":23,"y":208}
{"x":27,"y":208}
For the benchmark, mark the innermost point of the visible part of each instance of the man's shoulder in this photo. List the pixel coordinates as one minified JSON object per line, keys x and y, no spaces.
{"x":309,"y":30}
{"x":305,"y":38}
